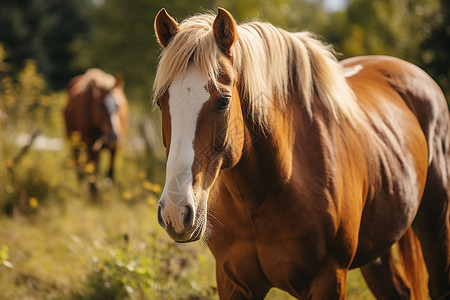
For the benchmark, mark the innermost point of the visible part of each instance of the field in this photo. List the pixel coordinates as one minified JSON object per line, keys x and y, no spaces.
{"x":59,"y":242}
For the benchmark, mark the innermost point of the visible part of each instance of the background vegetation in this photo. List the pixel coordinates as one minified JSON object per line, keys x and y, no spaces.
{"x":55,"y":242}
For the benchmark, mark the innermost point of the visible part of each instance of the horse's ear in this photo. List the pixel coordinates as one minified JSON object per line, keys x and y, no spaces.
{"x":120,"y":83}
{"x":224,"y":29}
{"x":165,"y":27}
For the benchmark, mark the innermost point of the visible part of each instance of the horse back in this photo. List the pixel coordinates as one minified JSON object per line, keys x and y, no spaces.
{"x":415,"y":87}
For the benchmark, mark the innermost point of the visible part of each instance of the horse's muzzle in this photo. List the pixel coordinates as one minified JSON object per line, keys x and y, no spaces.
{"x":179,"y":222}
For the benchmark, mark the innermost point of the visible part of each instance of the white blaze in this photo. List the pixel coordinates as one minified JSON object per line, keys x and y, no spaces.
{"x":187,"y":94}
{"x":112,"y":107}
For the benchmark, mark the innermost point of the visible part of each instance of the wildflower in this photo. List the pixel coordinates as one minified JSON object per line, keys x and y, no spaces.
{"x":34,"y":203}
{"x":90,"y":167}
{"x":155,"y":188}
{"x":75,"y":138}
{"x":82,"y":158}
{"x":100,"y":266}
{"x":127,"y":196}
{"x":142,"y":174}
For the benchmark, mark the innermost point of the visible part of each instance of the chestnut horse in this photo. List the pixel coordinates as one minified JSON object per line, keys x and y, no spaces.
{"x":96,"y":117}
{"x":295,"y":168}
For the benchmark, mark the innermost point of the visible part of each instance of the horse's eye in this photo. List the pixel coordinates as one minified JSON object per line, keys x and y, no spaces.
{"x":159,"y":104}
{"x":222,"y":103}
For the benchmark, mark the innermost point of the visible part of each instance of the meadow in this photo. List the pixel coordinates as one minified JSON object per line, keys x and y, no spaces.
{"x":59,"y":242}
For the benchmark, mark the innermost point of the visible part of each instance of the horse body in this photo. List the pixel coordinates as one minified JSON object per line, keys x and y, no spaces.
{"x":314,"y":215}
{"x":96,"y":115}
{"x":294,"y":193}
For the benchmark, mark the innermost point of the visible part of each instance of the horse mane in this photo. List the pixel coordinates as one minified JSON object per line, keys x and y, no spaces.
{"x":99,"y":78}
{"x":271,"y":64}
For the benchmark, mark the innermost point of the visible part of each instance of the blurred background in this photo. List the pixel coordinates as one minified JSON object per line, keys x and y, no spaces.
{"x":56,"y":242}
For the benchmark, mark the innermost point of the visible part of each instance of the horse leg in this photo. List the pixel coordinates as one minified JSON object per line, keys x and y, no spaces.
{"x":329,"y":284}
{"x":231,"y":287}
{"x":384,"y":280}
{"x":92,"y":179}
{"x":432,"y":226}
{"x":111,"y":164}
{"x":78,"y":167}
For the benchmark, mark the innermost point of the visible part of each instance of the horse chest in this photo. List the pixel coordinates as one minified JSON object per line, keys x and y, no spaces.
{"x":283,"y":251}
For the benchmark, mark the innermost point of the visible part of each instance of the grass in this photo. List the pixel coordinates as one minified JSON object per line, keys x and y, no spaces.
{"x":75,"y":251}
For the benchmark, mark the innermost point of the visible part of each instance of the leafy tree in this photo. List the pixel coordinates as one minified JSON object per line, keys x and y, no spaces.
{"x":42,"y":30}
{"x":391,"y":27}
{"x":436,"y":49}
{"x":295,"y":15}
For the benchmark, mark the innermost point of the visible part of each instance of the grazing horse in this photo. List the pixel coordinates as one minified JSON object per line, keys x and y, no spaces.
{"x":96,"y":117}
{"x":295,"y":168}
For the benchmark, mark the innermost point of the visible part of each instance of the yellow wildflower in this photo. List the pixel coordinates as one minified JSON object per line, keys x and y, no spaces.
{"x":100,"y":267}
{"x":127,"y":195}
{"x":152,"y":187}
{"x":142,"y":174}
{"x":33,"y":202}
{"x":147,"y":185}
{"x":90,"y":167}
{"x":156,"y":189}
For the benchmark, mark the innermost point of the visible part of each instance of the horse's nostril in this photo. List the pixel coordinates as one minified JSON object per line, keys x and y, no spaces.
{"x":160,"y":218}
{"x":188,"y":217}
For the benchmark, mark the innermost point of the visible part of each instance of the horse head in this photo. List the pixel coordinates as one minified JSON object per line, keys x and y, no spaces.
{"x":203,"y":127}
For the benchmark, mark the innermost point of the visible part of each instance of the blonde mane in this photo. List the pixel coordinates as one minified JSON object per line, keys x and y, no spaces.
{"x":98,"y":77}
{"x":271,"y":63}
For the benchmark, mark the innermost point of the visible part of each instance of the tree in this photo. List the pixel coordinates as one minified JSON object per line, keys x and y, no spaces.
{"x":390,"y":27}
{"x":42,"y":30}
{"x":436,"y":49}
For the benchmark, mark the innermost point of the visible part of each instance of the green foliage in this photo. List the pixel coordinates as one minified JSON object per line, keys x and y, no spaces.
{"x":388,"y":27}
{"x":436,"y":48}
{"x":150,"y":273}
{"x":43,"y":30}
{"x":27,"y":107}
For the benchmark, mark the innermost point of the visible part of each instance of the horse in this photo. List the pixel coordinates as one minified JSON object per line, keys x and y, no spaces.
{"x":294,"y":168}
{"x":95,"y":116}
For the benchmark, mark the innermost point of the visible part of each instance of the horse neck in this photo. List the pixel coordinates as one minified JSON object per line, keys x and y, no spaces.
{"x":266,"y":162}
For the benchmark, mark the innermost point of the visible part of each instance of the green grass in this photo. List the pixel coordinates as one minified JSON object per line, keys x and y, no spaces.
{"x":75,"y":251}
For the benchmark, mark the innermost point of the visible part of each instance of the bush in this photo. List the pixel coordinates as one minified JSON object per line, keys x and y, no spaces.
{"x":150,"y":273}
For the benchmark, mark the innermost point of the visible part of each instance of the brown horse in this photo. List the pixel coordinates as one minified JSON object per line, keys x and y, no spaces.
{"x":96,"y":117}
{"x":295,"y":168}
